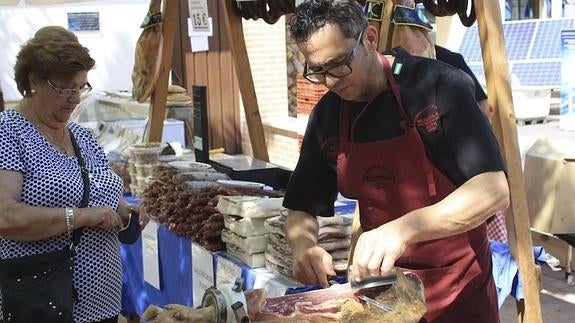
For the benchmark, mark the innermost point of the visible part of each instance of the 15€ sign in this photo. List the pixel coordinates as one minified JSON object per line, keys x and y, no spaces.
{"x":199,"y":15}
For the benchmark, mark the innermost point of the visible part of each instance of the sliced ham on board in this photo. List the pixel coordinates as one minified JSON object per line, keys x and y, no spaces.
{"x":338,"y":303}
{"x":148,"y":54}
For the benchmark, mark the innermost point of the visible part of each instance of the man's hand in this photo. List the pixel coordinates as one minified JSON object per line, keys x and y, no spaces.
{"x":377,"y":250}
{"x":312,"y":265}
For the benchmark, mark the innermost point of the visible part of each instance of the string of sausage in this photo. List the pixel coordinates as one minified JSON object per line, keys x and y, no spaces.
{"x":443,"y":8}
{"x":271,"y":10}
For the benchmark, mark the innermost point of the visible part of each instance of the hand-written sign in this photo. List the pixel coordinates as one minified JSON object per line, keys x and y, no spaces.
{"x":199,"y":15}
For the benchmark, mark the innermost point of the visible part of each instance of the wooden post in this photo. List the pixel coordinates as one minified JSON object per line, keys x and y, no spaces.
{"x":245,"y":81}
{"x":157,"y":113}
{"x":537,"y":7}
{"x":499,"y":92}
{"x":386,"y":28}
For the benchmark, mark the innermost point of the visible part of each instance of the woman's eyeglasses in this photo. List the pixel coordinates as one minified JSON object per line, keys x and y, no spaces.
{"x":70,"y":92}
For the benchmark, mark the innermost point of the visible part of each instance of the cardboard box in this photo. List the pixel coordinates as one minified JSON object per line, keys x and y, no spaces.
{"x":555,"y":247}
{"x":550,"y":184}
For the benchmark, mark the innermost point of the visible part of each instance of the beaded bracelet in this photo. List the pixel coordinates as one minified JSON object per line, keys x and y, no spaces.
{"x":70,"y":220}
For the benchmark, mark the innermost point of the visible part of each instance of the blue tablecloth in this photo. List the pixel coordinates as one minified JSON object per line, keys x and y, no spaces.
{"x":175,"y":274}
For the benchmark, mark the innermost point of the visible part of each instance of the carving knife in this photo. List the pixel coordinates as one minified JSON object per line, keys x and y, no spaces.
{"x":371,"y":281}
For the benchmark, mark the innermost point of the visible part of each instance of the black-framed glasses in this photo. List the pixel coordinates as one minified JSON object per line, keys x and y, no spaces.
{"x":338,"y":71}
{"x":70,"y":92}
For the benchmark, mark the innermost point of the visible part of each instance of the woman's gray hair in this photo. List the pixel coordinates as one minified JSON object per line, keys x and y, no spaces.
{"x":53,"y":53}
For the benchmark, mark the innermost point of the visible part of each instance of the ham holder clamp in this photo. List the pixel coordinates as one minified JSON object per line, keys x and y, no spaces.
{"x":399,"y":302}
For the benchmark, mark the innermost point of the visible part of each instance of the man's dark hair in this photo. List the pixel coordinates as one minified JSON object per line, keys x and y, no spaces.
{"x":312,"y":15}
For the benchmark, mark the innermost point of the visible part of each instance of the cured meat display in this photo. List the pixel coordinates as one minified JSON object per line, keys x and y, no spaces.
{"x":339,"y":303}
{"x":244,"y":218}
{"x":187,"y":203}
{"x":148,"y":54}
{"x":334,"y":236}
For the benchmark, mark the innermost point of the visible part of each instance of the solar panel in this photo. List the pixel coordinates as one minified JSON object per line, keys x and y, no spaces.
{"x":533,"y":50}
{"x":541,"y":74}
{"x":548,"y":39}
{"x":470,"y":47}
{"x":477,"y":69}
{"x":518,"y":39}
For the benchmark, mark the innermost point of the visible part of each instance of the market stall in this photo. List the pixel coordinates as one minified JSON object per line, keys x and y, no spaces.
{"x":198,"y":239}
{"x":489,"y":22}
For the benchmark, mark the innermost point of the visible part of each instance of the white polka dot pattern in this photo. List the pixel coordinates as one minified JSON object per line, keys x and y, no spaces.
{"x":52,"y":179}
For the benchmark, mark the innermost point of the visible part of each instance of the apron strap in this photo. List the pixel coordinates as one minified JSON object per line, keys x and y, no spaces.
{"x":431,"y":188}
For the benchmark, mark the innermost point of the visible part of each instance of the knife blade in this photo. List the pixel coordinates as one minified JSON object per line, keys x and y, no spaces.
{"x":371,"y":281}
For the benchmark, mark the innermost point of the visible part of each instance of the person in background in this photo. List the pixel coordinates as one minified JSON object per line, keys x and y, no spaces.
{"x":456,"y":60}
{"x":404,"y":136}
{"x":412,"y":32}
{"x":40,"y":179}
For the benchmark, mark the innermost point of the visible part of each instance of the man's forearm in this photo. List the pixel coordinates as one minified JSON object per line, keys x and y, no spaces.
{"x":301,"y":229}
{"x":464,"y":209}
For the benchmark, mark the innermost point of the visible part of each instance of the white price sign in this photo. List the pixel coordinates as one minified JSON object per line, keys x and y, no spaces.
{"x":199,"y":15}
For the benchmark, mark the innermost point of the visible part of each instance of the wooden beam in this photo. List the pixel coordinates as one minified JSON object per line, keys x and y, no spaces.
{"x":537,"y":7}
{"x":499,"y":91}
{"x":158,"y":107}
{"x":386,"y":28}
{"x":245,"y":81}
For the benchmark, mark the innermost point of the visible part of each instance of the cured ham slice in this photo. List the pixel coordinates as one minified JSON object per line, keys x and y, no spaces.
{"x":340,"y":303}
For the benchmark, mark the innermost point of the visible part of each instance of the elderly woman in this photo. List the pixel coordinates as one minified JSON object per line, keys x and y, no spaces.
{"x":41,"y":185}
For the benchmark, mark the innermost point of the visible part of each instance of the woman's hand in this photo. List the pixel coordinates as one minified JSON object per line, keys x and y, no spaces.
{"x":126,"y":210}
{"x":101,"y":217}
{"x":144,"y":218}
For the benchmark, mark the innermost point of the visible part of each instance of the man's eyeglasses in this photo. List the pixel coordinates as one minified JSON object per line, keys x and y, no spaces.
{"x":70,"y":92}
{"x":338,"y":71}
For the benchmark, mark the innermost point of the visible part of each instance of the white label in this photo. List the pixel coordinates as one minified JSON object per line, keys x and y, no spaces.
{"x":202,"y":273}
{"x":198,"y":144}
{"x":199,"y":15}
{"x":150,"y":254}
{"x":226,"y":271}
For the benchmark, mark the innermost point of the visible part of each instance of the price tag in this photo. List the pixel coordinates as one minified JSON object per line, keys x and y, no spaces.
{"x":226,"y":271}
{"x":374,"y":10}
{"x":202,"y":273}
{"x":150,"y":257}
{"x":199,"y":17}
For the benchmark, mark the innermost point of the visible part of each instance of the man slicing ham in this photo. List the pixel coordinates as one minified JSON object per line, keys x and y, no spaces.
{"x":404,"y":136}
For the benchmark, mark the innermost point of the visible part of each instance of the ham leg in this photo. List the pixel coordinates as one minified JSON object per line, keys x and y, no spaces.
{"x":417,"y":41}
{"x":340,"y":303}
{"x":148,"y":57}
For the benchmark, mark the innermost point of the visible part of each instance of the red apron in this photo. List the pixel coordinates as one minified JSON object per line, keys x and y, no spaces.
{"x":393,"y":177}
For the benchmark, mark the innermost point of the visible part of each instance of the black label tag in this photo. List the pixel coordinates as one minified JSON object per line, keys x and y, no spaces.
{"x":374,"y":9}
{"x":151,"y":19}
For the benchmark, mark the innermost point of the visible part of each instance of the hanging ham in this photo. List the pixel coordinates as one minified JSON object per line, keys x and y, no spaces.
{"x":148,"y":54}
